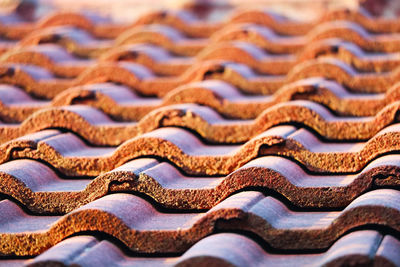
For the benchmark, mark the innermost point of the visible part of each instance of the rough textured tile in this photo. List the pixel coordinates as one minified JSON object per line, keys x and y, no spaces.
{"x":99,"y":129}
{"x":219,"y":249}
{"x":23,"y":234}
{"x":67,"y":153}
{"x":38,"y":188}
{"x":82,"y":96}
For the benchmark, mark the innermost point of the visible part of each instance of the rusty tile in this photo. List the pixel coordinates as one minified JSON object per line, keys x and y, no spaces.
{"x":38,"y":81}
{"x":78,"y":41}
{"x":156,"y":58}
{"x":190,"y":25}
{"x":122,"y":104}
{"x":57,"y":60}
{"x":388,"y":252}
{"x":219,"y":249}
{"x":68,"y":153}
{"x":41,"y":190}
{"x":24,"y":234}
{"x":99,"y":129}
{"x":175,"y":41}
{"x":286,"y":26}
{"x":82,"y":99}
{"x":51,"y":57}
{"x":350,"y":53}
{"x":175,"y":144}
{"x":268,"y":40}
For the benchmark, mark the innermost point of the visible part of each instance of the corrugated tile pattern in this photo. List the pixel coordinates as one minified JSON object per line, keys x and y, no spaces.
{"x":173,"y":141}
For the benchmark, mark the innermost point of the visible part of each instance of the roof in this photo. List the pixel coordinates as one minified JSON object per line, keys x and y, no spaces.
{"x":177,"y":141}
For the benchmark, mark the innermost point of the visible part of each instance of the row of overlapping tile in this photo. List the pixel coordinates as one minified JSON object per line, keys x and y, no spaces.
{"x":138,"y":144}
{"x":224,"y":249}
{"x":16,"y":27}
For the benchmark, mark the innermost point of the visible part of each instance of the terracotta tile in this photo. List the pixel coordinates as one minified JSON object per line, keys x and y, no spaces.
{"x":122,"y":104}
{"x":177,"y":145}
{"x":99,"y":129}
{"x":142,"y":80}
{"x":57,"y":60}
{"x":79,"y":42}
{"x":222,"y":249}
{"x":51,"y":57}
{"x":35,"y":80}
{"x":268,"y":40}
{"x":175,"y":41}
{"x":286,"y":26}
{"x":350,"y":53}
{"x":24,"y":234}
{"x":387,"y":253}
{"x":88,"y":108}
{"x":156,"y":58}
{"x":39,"y":82}
{"x":188,"y":23}
{"x":38,"y":188}
{"x":71,"y":156}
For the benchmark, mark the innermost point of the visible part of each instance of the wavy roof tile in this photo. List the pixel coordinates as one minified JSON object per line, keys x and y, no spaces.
{"x":177,"y":141}
{"x":42,"y":190}
{"x":137,"y":224}
{"x":226,"y":249}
